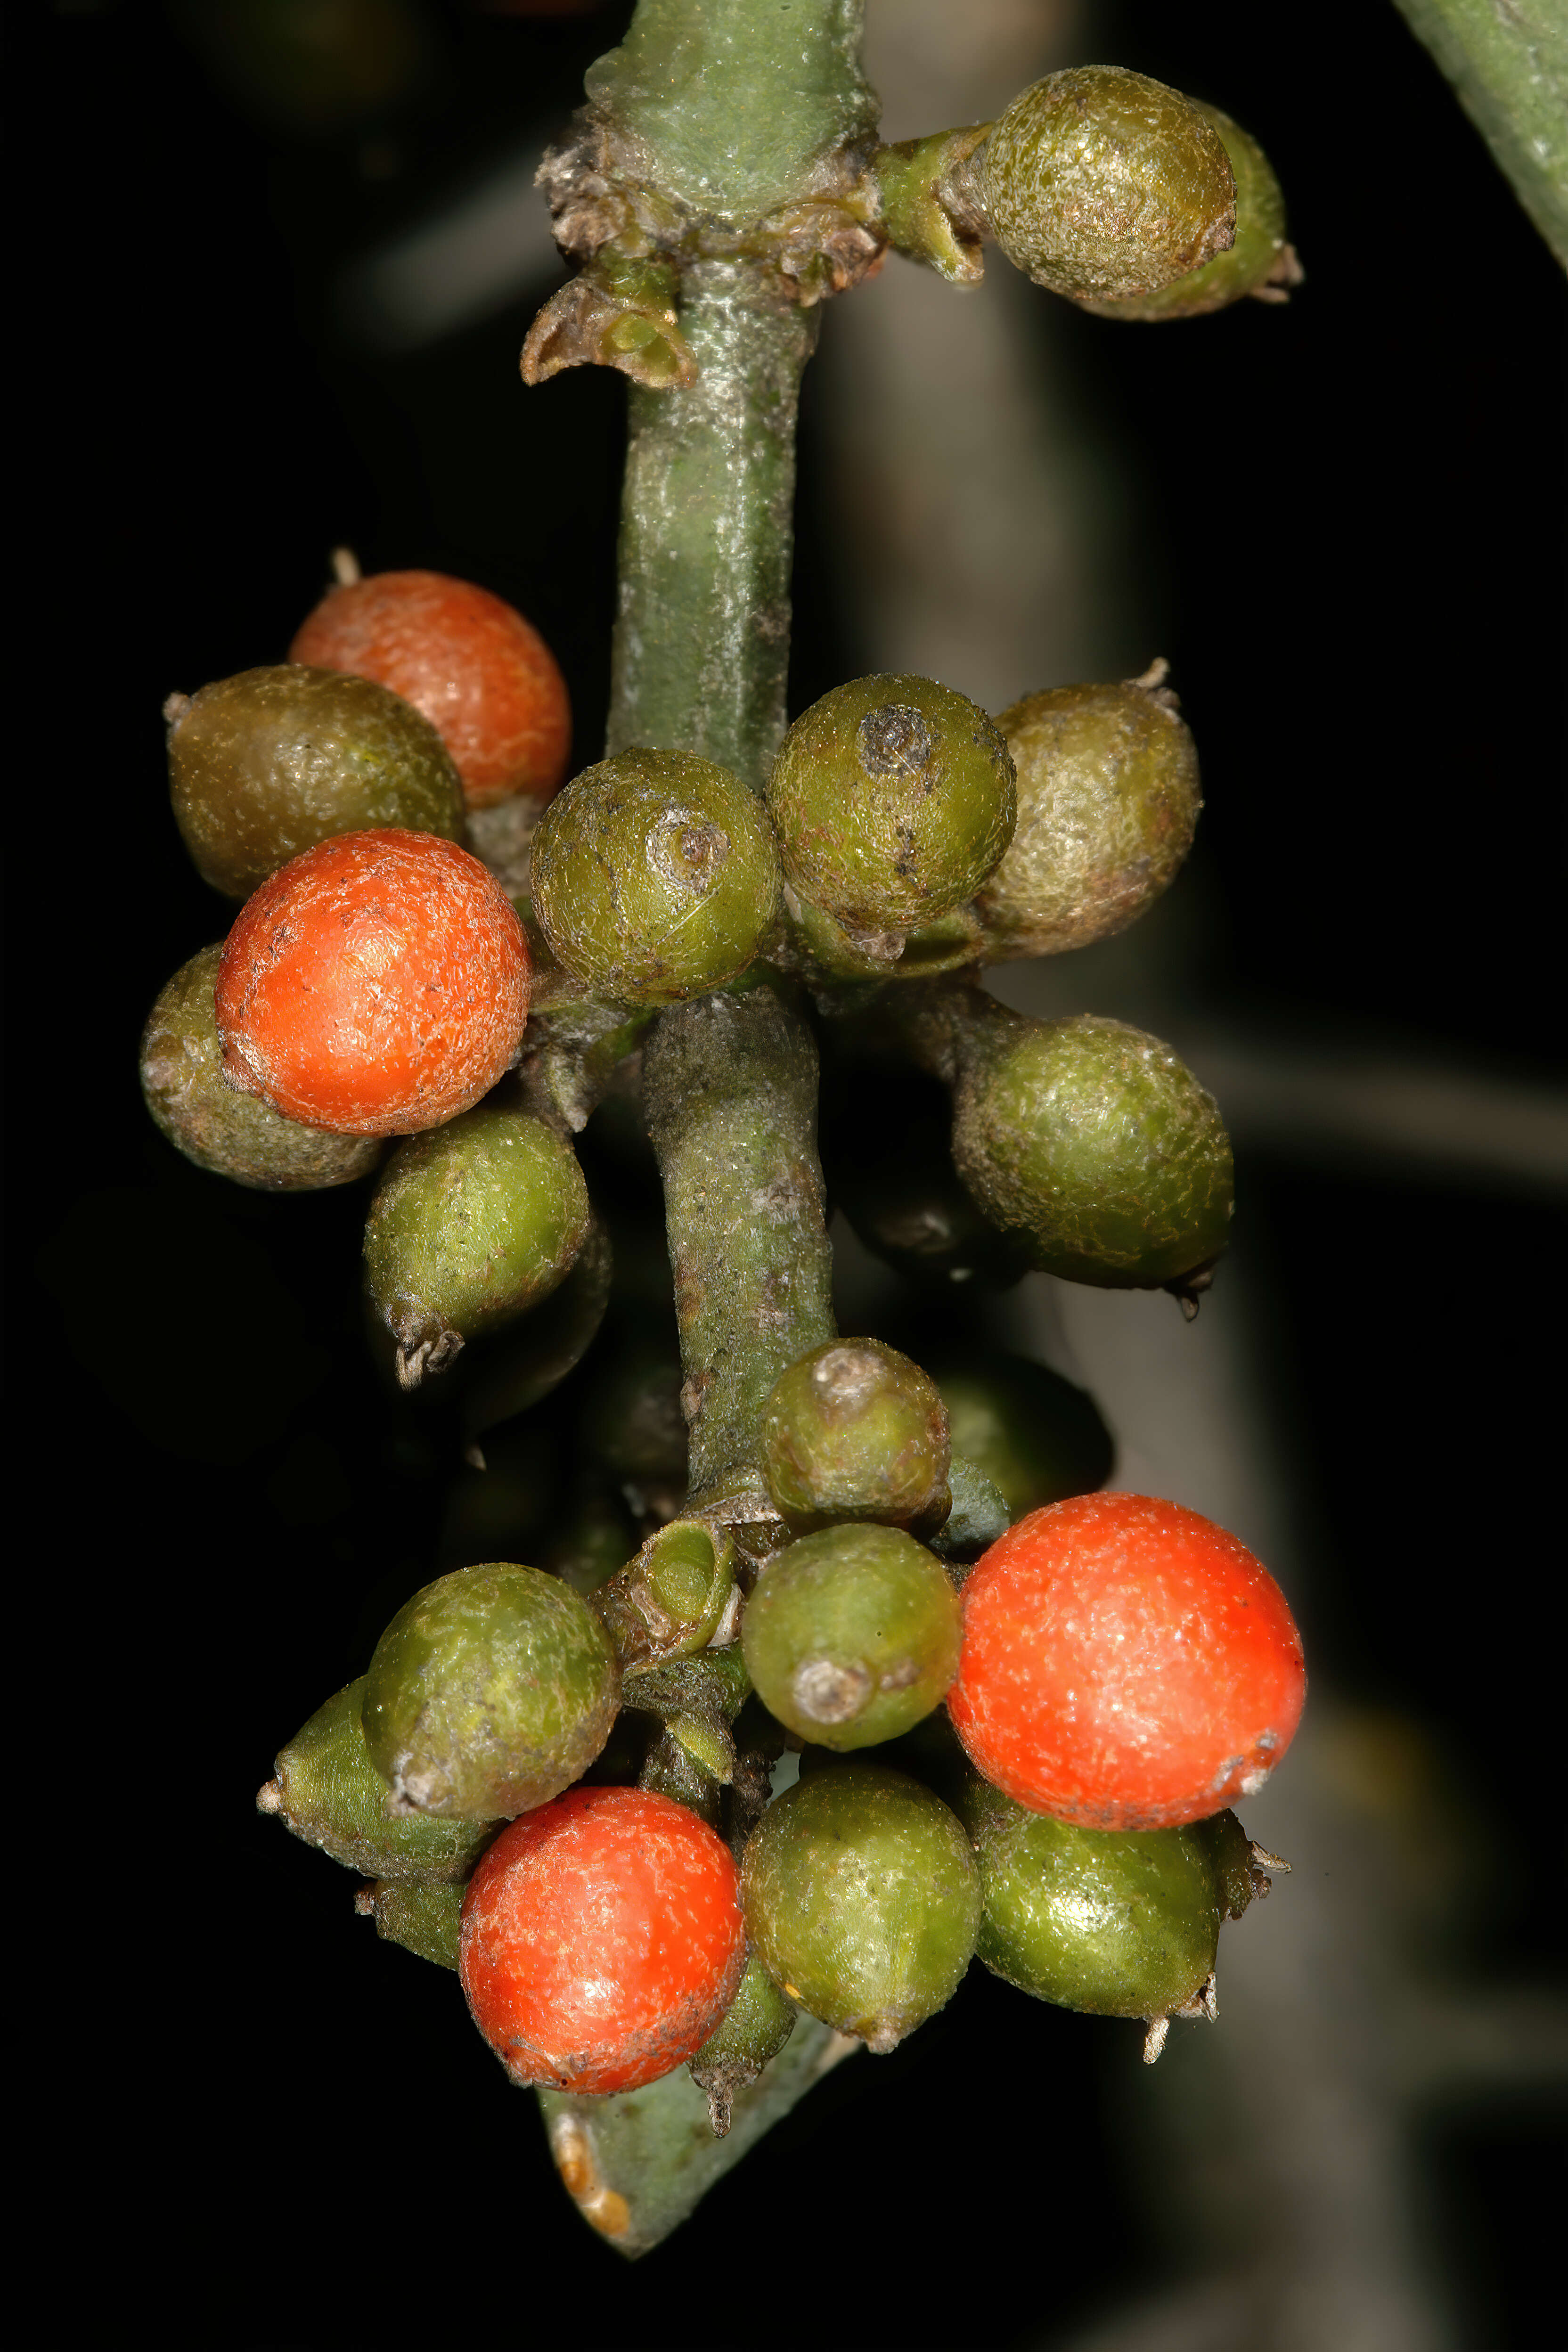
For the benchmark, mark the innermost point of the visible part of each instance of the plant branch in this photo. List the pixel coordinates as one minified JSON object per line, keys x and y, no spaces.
{"x":1508,"y":60}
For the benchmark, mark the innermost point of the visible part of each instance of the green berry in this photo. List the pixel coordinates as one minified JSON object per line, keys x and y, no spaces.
{"x":862,"y":1898}
{"x":269,"y":762}
{"x":855,"y":1430}
{"x":978,"y":1517}
{"x":893,"y":799}
{"x":1259,"y":263}
{"x":1108,"y":803}
{"x":1101,"y":183}
{"x":753,"y":2030}
{"x":1034,"y":1435}
{"x":490,"y":1691}
{"x":471,"y":1225}
{"x":231,"y":1135}
{"x":655,"y":876}
{"x":1099,"y":1147}
{"x":532,"y":1356}
{"x":1119,"y":1924}
{"x":853,"y":1635}
{"x":423,"y":1916}
{"x":330,"y":1792}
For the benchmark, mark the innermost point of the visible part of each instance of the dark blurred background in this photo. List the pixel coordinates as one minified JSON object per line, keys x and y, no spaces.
{"x":279,"y":281}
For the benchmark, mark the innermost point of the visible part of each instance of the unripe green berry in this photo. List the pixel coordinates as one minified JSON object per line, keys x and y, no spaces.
{"x":853,"y":1635}
{"x":862,"y":1898}
{"x":330,"y":1792}
{"x":490,"y":1691}
{"x":423,"y":1915}
{"x":1034,"y":1435}
{"x":1100,"y":1147}
{"x":1108,"y":803}
{"x":1118,"y":1924}
{"x":1099,"y":183}
{"x":655,"y":876}
{"x":753,"y":2030}
{"x":232,"y":1135}
{"x":271,"y":762}
{"x":1260,"y":262}
{"x":855,"y":1430}
{"x":893,"y":799}
{"x":471,"y":1225}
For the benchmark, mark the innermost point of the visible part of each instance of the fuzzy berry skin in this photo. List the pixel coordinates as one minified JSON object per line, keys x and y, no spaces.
{"x":484,"y":678}
{"x":602,"y":1940}
{"x":1126,"y":1666}
{"x":377,"y":985}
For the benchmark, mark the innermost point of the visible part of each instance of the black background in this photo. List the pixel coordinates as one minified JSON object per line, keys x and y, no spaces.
{"x":274,"y":2130}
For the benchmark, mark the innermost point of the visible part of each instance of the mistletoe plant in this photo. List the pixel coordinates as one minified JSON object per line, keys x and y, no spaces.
{"x":1020,"y":1707}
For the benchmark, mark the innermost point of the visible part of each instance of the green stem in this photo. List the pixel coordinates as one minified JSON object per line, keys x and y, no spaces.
{"x":1508,"y":60}
{"x":701,"y":644}
{"x":729,"y":1087}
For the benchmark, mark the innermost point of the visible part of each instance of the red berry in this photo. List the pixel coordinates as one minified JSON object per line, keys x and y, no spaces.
{"x":378,"y":985}
{"x":1126,"y":1666}
{"x":602,"y":1940}
{"x":484,"y":678}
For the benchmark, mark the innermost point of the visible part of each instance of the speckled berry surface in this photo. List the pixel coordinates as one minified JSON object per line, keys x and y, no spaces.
{"x":481,"y":674}
{"x":231,"y":1134}
{"x":602,"y":1940}
{"x":328,"y":1789}
{"x":853,"y":1635}
{"x":490,"y":1692}
{"x":893,"y":798}
{"x":265,"y":765}
{"x":655,"y":876}
{"x":1127,"y":1665}
{"x":1108,"y":804}
{"x":1259,"y":263}
{"x":377,"y":985}
{"x":1098,"y":1145}
{"x":855,"y":1430}
{"x":1101,"y":182}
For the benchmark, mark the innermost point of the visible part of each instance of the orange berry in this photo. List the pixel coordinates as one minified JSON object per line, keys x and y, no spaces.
{"x":602,"y":1940}
{"x":1126,"y":1666}
{"x":480,"y":674}
{"x":377,"y":985}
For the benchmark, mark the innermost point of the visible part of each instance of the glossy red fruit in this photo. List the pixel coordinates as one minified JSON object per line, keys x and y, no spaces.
{"x":481,"y":674}
{"x":377,"y":985}
{"x":602,"y":1940}
{"x":1127,"y":1665}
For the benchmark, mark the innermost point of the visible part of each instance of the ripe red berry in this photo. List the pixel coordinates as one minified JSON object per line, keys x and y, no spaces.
{"x":602,"y":1940}
{"x":377,"y":985}
{"x":1126,"y":1665}
{"x":484,"y":678}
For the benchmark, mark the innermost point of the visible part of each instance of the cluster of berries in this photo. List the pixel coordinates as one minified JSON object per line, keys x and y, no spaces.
{"x":572,"y":1787}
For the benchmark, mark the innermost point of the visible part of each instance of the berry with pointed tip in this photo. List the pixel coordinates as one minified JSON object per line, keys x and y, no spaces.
{"x":753,"y":2030}
{"x":1100,"y":1148}
{"x":1260,"y":262}
{"x":602,"y":1940}
{"x":863,"y":1899}
{"x":893,"y":798}
{"x":490,"y":1691}
{"x":377,"y":985}
{"x":853,"y":1635}
{"x":227,"y":1133}
{"x":1101,"y":183}
{"x":330,"y":1792}
{"x":1126,"y":1666}
{"x":855,"y":1430}
{"x":1117,"y":1923}
{"x":655,"y":876}
{"x":1108,"y":804}
{"x":423,"y":1916}
{"x":470,"y":1225}
{"x":481,"y":674}
{"x":269,"y":762}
